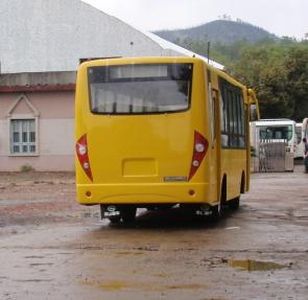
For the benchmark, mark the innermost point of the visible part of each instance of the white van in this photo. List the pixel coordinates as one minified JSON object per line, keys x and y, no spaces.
{"x":275,"y":131}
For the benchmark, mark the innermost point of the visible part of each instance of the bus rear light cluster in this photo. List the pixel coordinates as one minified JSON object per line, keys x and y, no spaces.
{"x":200,"y":149}
{"x":83,"y":157}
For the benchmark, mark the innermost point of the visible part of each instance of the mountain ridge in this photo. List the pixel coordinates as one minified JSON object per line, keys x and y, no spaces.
{"x":219,"y":31}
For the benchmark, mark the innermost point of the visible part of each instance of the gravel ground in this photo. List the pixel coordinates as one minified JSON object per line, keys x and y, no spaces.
{"x":53,"y":248}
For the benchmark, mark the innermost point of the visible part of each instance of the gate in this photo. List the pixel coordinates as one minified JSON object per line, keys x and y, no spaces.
{"x":272,"y":156}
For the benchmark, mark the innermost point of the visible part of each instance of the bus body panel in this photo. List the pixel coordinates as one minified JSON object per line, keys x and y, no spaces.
{"x":143,"y":193}
{"x":147,"y":158}
{"x":233,"y":166}
{"x":146,"y":154}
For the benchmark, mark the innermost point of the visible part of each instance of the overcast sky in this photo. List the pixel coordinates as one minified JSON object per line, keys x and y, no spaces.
{"x":281,"y":17}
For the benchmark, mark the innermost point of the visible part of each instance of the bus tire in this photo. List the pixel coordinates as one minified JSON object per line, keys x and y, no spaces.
{"x":128,"y":214}
{"x":115,"y":219}
{"x":216,"y":213}
{"x":217,"y":210}
{"x":234,"y":204}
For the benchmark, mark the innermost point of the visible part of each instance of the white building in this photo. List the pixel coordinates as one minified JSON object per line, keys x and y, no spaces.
{"x":41,"y":44}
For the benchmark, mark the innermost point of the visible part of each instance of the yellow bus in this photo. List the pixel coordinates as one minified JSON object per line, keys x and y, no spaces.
{"x":155,"y":132}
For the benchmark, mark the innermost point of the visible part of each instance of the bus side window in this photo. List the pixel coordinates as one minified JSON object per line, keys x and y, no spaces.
{"x":223,"y":119}
{"x":232,"y":116}
{"x":211,"y":106}
{"x":214,"y":105}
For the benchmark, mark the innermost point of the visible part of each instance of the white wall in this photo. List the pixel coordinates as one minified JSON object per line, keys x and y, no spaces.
{"x":56,"y":137}
{"x":51,"y":35}
{"x":56,"y":147}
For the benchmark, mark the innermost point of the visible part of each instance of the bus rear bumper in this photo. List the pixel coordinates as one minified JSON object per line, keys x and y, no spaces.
{"x":90,"y":194}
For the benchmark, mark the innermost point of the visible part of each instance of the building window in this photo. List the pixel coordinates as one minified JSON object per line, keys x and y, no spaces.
{"x":23,"y":136}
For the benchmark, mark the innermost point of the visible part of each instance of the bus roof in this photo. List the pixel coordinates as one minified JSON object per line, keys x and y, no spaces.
{"x":274,"y":122}
{"x":116,"y":60}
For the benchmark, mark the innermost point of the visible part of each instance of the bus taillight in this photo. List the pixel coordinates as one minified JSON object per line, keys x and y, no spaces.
{"x":83,"y":157}
{"x":200,"y":149}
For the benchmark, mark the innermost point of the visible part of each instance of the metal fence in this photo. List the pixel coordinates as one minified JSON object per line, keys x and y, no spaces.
{"x":272,"y":156}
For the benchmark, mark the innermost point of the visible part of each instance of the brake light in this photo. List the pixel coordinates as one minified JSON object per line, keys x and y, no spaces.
{"x":83,"y":156}
{"x":200,"y":148}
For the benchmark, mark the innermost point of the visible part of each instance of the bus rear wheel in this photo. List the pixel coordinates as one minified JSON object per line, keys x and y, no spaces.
{"x":128,"y":214}
{"x":114,"y":219}
{"x":234,"y":203}
{"x":216,"y":212}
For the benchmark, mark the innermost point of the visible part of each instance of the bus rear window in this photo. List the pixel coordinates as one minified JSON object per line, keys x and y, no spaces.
{"x":140,"y":89}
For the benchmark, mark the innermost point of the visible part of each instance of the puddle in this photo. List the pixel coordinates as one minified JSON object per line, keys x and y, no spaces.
{"x":114,"y":285}
{"x":118,"y":285}
{"x":40,"y":264}
{"x":128,"y":253}
{"x":111,"y":285}
{"x":254,"y":265}
{"x":192,"y":286}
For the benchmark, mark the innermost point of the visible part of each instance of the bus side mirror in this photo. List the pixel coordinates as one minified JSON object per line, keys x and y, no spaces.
{"x":253,"y":114}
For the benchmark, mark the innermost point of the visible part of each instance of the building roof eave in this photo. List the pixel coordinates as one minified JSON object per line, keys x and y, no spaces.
{"x":37,"y":82}
{"x":37,"y":88}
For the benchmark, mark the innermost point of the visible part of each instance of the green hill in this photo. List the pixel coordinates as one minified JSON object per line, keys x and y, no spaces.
{"x":220,"y":31}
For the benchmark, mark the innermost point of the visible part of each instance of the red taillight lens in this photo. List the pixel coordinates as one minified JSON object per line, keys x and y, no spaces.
{"x":83,"y":157}
{"x":200,"y":148}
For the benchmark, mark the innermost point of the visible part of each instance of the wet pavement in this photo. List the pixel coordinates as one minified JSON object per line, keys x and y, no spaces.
{"x":52,"y":248}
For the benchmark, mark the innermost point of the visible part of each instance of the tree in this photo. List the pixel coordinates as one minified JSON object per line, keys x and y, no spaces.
{"x":279,"y":74}
{"x":297,"y":65}
{"x":276,"y":69}
{"x":262,"y":69}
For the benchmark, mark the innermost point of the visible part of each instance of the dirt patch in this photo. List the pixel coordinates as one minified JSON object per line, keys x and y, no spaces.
{"x":53,"y":248}
{"x":38,"y":197}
